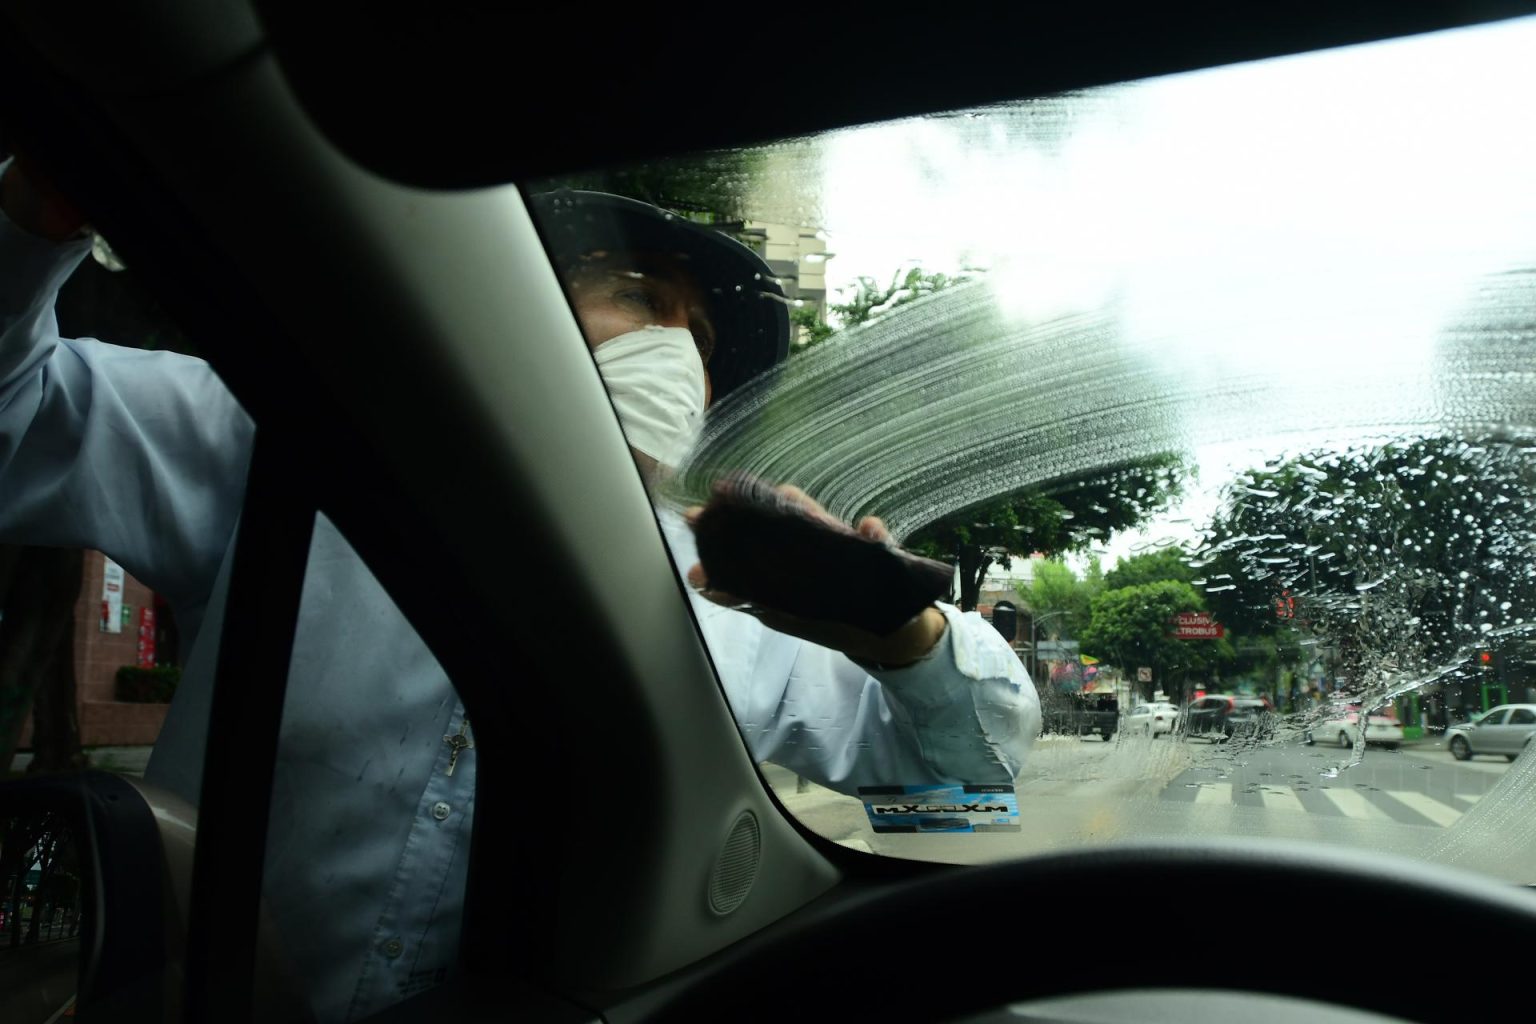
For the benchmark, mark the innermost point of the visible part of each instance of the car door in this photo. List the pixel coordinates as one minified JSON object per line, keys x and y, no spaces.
{"x":1490,"y":735}
{"x":1213,"y":713}
{"x":367,"y":500}
{"x":1520,"y":726}
{"x":1200,"y":716}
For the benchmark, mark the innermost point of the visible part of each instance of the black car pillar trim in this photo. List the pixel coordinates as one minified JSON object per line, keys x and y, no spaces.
{"x":246,"y":717}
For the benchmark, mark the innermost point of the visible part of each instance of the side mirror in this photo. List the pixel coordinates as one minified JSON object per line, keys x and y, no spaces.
{"x":82,"y":894}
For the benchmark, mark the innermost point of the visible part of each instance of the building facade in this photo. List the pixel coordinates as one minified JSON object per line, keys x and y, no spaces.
{"x":113,"y":614}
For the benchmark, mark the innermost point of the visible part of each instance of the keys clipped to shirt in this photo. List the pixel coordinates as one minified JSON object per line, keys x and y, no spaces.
{"x":458,"y":742}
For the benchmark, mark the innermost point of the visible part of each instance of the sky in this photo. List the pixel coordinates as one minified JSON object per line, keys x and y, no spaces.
{"x":1321,"y":154}
{"x":1234,"y":209}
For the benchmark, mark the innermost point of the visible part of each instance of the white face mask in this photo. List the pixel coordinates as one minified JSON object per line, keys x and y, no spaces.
{"x":656,"y":380}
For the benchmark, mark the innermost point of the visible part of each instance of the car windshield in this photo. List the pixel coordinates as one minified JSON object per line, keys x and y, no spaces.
{"x":1217,"y":383}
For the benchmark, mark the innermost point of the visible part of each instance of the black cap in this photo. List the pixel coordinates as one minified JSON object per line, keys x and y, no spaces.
{"x":746,"y":303}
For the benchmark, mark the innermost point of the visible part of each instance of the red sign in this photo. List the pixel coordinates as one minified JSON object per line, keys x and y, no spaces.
{"x":1195,"y":626}
{"x":146,"y":637}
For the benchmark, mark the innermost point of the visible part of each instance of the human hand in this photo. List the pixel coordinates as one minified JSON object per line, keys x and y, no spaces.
{"x":776,"y":554}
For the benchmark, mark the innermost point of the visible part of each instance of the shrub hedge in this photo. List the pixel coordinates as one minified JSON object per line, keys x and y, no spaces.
{"x":147,"y":685}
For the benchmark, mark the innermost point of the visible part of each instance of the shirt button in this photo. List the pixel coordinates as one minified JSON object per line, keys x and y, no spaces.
{"x":393,"y":948}
{"x":441,"y":810}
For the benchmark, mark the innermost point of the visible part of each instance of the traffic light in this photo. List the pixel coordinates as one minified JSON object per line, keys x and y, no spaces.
{"x":1485,"y":660}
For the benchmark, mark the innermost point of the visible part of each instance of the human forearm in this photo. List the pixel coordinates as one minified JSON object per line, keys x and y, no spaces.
{"x":970,"y":701}
{"x":908,"y":645}
{"x":139,"y":454}
{"x":32,"y":269}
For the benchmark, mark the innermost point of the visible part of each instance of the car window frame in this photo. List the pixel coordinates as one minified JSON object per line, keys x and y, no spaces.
{"x":358,"y":479}
{"x":235,"y":625}
{"x":271,"y":557}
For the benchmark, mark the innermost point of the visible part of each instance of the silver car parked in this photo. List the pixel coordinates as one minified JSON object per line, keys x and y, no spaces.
{"x":1506,"y":729}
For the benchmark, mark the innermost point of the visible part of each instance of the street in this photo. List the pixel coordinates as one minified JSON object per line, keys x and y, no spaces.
{"x":37,"y":982}
{"x":122,"y":760}
{"x":1076,"y":792}
{"x":1407,"y":785}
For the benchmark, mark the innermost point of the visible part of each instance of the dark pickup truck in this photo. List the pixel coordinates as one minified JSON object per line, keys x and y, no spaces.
{"x":1082,"y":716}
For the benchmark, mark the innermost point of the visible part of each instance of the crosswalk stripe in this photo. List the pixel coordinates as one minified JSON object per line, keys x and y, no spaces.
{"x":1355,"y":805}
{"x":1281,"y":800}
{"x":1351,"y":803}
{"x":1214,"y":793}
{"x":1437,"y":812}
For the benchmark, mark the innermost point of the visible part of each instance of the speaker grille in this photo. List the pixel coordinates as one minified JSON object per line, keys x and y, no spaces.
{"x":736,"y":868}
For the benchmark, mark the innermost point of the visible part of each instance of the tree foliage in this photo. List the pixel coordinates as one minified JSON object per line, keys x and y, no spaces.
{"x":1399,"y":553}
{"x":1167,"y":564}
{"x":1130,"y":629}
{"x":1049,"y":520}
{"x":871,"y":300}
{"x":814,"y":330}
{"x":1056,"y":590}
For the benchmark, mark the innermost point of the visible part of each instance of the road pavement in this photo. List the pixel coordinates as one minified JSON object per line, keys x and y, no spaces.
{"x":1079,"y":791}
{"x":123,"y":760}
{"x":1383,"y":785}
{"x":37,"y":982}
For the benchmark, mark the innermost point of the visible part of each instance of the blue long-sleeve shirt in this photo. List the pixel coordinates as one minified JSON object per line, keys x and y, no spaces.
{"x":143,"y":456}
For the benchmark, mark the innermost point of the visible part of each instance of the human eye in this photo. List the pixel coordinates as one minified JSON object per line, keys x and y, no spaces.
{"x":640,"y":297}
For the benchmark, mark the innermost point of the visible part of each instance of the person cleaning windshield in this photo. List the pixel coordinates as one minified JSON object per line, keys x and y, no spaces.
{"x":142,"y":455}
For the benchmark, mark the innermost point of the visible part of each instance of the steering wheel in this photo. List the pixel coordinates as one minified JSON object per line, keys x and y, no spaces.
{"x":964,"y":941}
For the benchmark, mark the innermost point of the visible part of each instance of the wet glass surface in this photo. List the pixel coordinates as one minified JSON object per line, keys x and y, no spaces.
{"x":1244,"y":359}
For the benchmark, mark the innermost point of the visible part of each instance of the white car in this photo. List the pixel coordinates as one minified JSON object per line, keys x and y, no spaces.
{"x":1383,"y":728}
{"x":1153,"y":719}
{"x":1507,"y":730}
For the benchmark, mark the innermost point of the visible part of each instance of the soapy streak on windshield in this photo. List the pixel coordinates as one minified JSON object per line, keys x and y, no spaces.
{"x":949,"y":402}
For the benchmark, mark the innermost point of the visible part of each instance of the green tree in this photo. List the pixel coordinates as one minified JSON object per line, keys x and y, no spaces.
{"x":1055,"y":588}
{"x":1130,"y":629}
{"x":1400,"y":554}
{"x":808,"y":320}
{"x":1167,"y":564}
{"x":1260,"y":659}
{"x":870,"y":300}
{"x":1048,"y":520}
